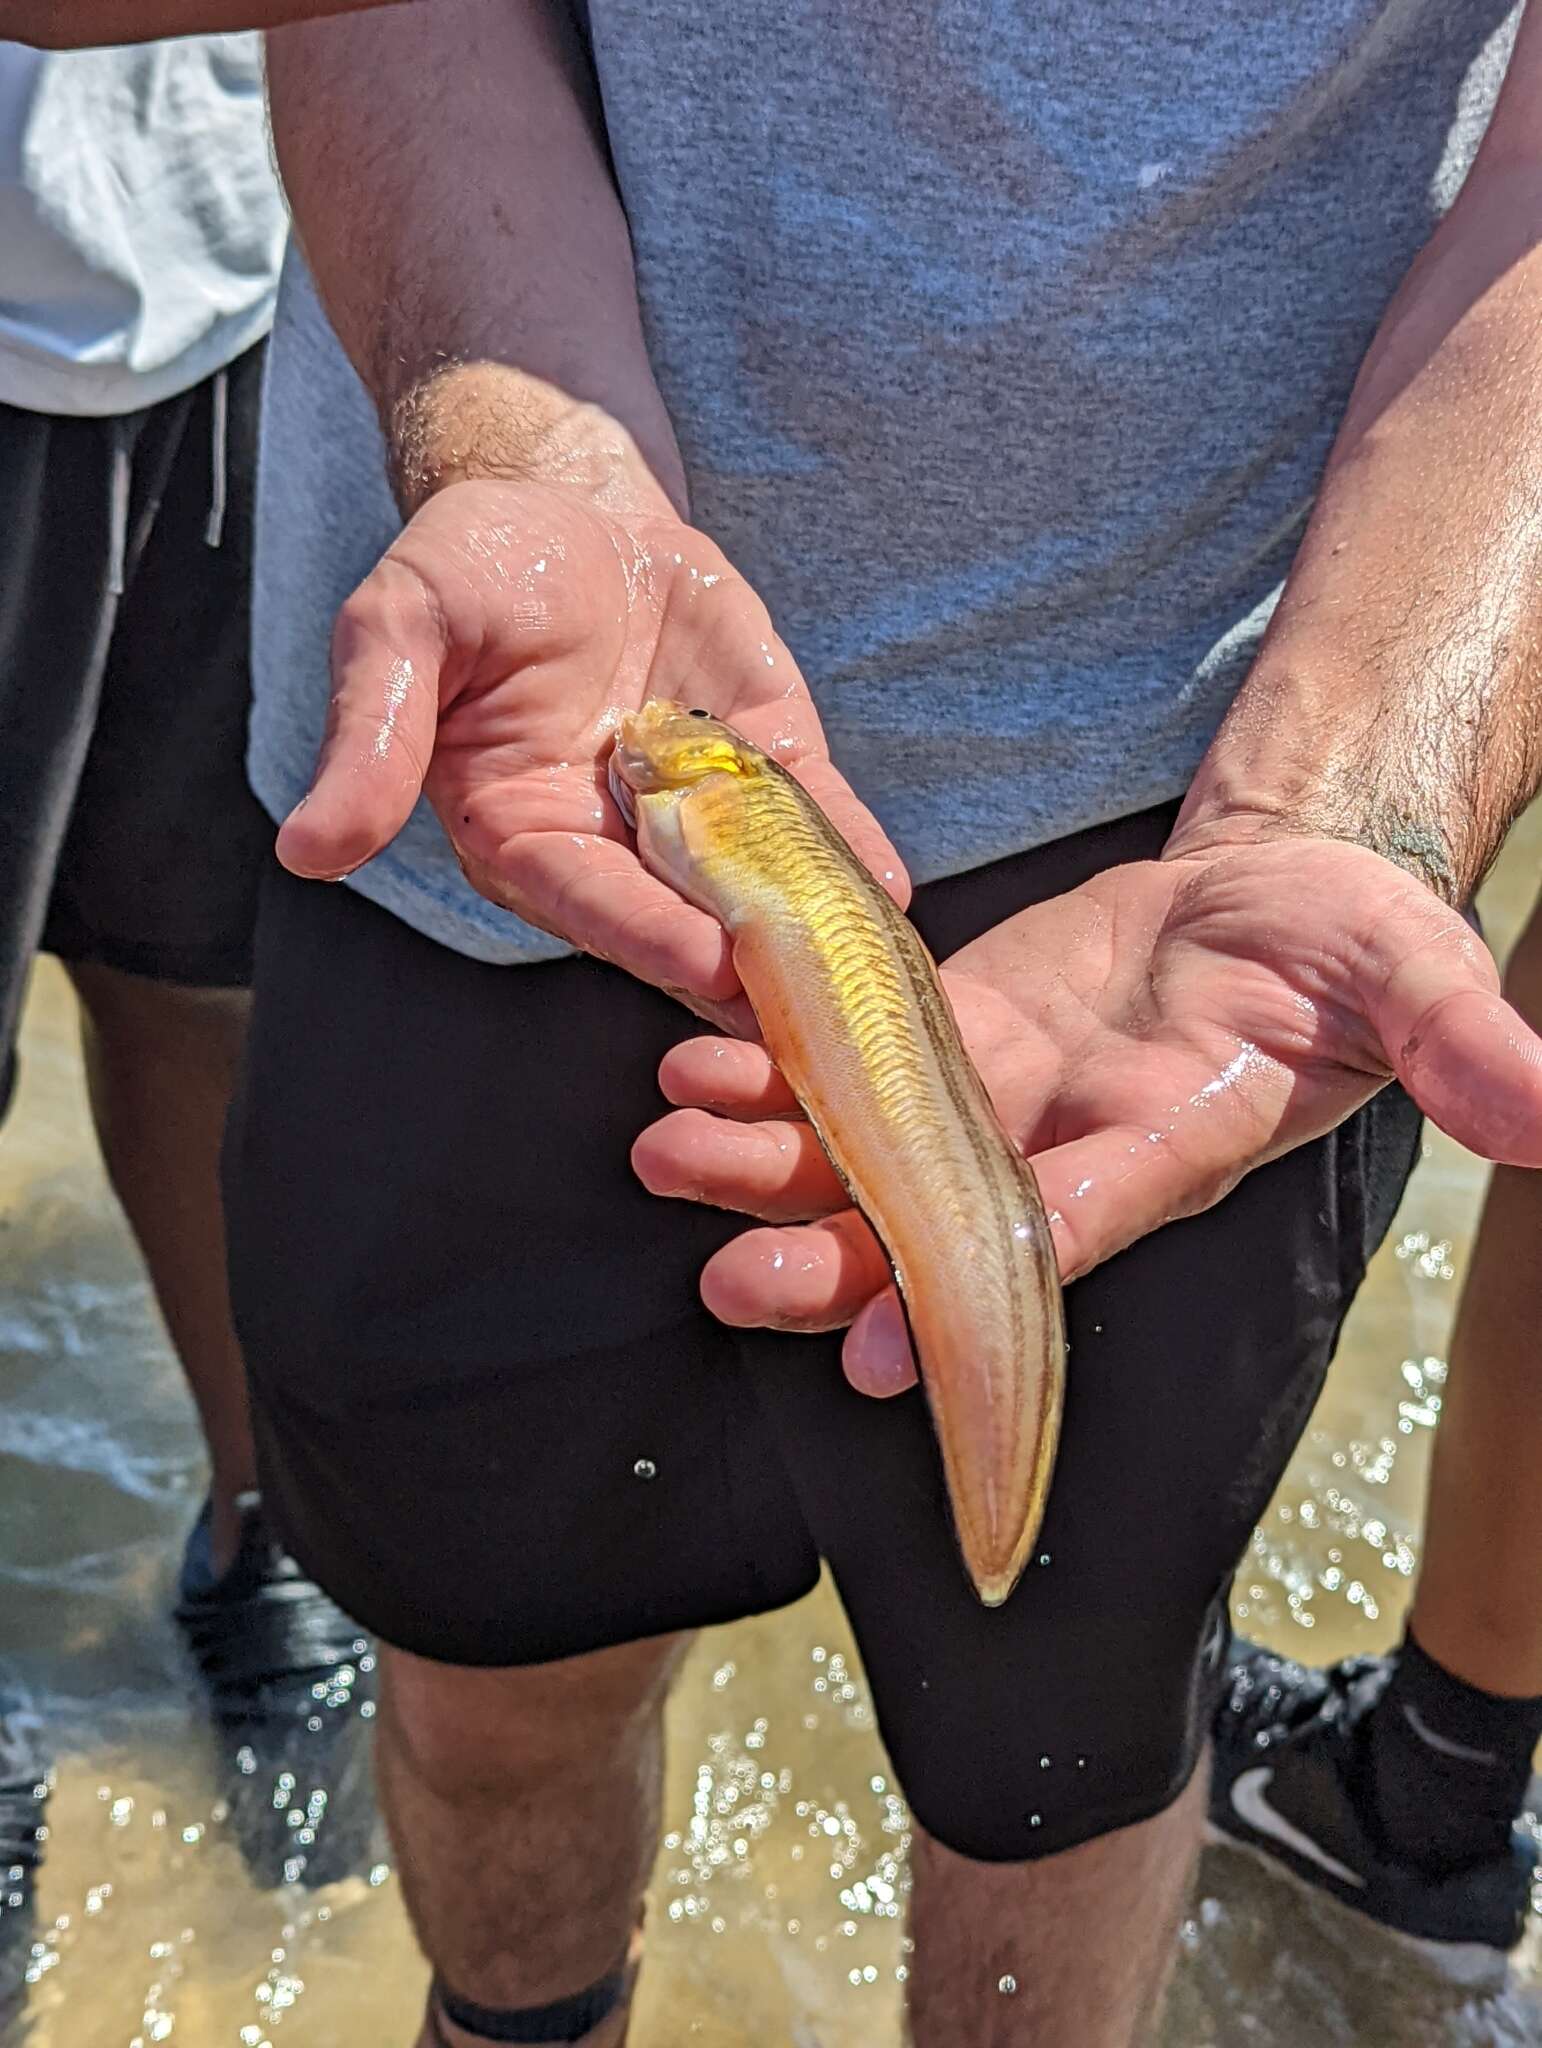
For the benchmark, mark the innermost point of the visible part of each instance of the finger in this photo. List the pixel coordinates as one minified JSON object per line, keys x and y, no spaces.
{"x":1110,"y":1186}
{"x":389,"y":648}
{"x":776,"y":1171}
{"x":1470,"y":1061}
{"x":855,"y":823}
{"x":718,"y":1073}
{"x":596,"y":894}
{"x":813,"y":1277}
{"x":1474,"y":1066}
{"x":735,"y":1017}
{"x":876,"y":1356}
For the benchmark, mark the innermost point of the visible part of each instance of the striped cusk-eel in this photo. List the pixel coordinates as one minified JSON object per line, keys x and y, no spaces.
{"x":851,"y":1009}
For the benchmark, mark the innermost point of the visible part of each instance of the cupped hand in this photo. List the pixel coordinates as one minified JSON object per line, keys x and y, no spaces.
{"x":1147,"y":1040}
{"x":486,"y":662}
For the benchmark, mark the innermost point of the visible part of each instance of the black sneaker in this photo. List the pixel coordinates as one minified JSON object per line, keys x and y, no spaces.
{"x":1285,"y":1787}
{"x":25,"y":1779}
{"x":291,"y":1688}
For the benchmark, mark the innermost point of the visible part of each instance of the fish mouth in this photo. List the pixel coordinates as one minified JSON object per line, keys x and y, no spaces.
{"x":621,"y":790}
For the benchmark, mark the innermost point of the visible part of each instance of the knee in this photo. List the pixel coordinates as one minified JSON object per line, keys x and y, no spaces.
{"x":1015,"y":1792}
{"x":466,"y":1733}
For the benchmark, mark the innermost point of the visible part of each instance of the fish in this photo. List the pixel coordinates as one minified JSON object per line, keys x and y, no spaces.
{"x":850,"y":1006}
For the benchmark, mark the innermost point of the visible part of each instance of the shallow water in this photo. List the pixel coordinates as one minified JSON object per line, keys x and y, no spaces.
{"x":777,"y":1896}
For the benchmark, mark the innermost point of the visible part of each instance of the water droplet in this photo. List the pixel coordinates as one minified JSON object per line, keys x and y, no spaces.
{"x":645,"y":1469}
{"x":1006,"y":1985}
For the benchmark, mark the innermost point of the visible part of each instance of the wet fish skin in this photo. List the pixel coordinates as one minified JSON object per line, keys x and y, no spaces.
{"x":851,"y":1009}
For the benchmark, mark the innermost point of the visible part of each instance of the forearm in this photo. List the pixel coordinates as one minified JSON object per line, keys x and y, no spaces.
{"x":1397,"y":698}
{"x":82,"y":24}
{"x":453,"y":198}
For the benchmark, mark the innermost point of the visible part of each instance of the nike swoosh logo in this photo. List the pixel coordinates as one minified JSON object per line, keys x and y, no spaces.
{"x":1250,"y":1804}
{"x":1443,"y":1743}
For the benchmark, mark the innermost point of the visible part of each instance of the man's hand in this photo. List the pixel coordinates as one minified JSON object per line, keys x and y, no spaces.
{"x":1148,"y":1039}
{"x":1152,"y":1036}
{"x":447,"y":169}
{"x":487,"y":659}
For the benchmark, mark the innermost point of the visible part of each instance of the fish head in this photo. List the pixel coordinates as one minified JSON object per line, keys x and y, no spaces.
{"x":664,"y":747}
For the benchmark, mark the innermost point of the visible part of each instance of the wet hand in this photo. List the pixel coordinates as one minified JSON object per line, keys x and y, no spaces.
{"x":1147,"y":1039}
{"x":485,"y":662}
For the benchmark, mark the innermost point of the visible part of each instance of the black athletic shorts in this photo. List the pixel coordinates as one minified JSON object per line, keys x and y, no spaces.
{"x":128,"y":835}
{"x":497,"y":1426}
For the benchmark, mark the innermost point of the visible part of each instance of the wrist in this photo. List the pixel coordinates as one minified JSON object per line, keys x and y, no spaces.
{"x":471,"y":421}
{"x":1316,"y":745}
{"x":1226,"y":811}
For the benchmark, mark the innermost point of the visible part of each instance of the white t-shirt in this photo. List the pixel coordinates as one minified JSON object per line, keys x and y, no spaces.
{"x":141,"y":225}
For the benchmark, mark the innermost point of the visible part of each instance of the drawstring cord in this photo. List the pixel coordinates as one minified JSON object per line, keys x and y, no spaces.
{"x":118,"y":514}
{"x":219,"y":436}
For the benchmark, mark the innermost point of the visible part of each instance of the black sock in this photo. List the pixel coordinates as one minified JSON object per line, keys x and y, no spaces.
{"x":565,"y":2019}
{"x":1448,"y":1765}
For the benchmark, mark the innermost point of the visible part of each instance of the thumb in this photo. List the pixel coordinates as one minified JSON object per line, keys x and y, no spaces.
{"x":1471,"y":1061}
{"x":388,"y":650}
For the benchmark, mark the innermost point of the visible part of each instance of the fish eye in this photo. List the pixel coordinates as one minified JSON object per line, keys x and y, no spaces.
{"x":696,"y":712}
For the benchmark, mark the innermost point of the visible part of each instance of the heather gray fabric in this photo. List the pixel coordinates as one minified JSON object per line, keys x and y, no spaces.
{"x":1005,"y":340}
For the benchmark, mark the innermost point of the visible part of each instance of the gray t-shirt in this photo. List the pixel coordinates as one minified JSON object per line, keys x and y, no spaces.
{"x":1004,"y":339}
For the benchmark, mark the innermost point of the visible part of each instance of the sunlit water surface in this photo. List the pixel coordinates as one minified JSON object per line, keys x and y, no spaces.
{"x":777,"y":1903}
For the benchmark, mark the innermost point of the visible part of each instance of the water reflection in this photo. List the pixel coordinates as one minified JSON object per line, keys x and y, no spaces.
{"x":777,"y":1908}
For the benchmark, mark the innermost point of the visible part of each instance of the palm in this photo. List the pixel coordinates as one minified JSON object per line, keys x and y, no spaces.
{"x":486,"y":662}
{"x":1147,"y":1039}
{"x":1157,"y":1032}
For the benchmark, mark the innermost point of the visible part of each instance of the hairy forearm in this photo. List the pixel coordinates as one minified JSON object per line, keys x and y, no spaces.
{"x":454,"y":201}
{"x":1397,"y":698}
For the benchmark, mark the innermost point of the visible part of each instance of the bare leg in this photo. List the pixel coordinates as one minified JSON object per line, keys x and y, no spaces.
{"x":1086,"y":1938}
{"x":524,"y":1806}
{"x":1478,"y":1606}
{"x":161,"y":1063}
